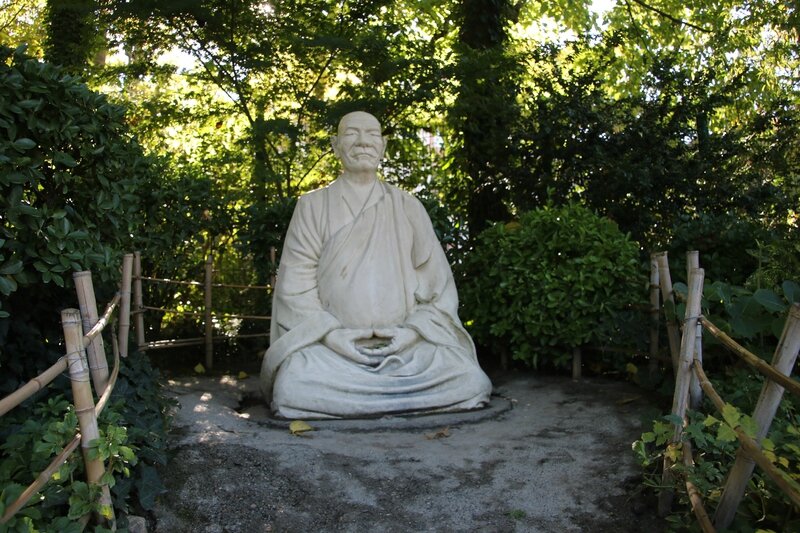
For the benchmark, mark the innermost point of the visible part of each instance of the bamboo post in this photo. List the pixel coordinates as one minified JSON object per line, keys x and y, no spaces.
{"x":771,"y":394}
{"x":576,"y":363}
{"x":682,"y":381}
{"x":695,"y":391}
{"x":667,"y":295}
{"x":84,"y":403}
{"x":272,"y":258}
{"x":138,"y":300}
{"x":95,"y":351}
{"x":125,"y":304}
{"x":209,"y":327}
{"x":654,"y":306}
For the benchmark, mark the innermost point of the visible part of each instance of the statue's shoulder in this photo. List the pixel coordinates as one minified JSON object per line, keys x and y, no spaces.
{"x":406,"y":196}
{"x":312,"y":199}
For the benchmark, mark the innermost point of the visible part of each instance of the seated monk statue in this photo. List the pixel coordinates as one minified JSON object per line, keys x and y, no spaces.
{"x":364,"y":314}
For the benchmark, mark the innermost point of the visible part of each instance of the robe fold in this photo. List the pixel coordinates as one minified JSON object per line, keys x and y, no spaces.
{"x":354,"y":266}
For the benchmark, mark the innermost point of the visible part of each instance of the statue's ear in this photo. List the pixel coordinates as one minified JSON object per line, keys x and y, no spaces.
{"x":335,"y":144}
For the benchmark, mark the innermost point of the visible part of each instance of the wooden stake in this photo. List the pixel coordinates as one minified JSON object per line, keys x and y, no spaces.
{"x":272,"y":260}
{"x":209,"y":337}
{"x":771,"y":394}
{"x":667,"y":295}
{"x":125,"y":304}
{"x":695,"y":391}
{"x":84,"y":403}
{"x":95,"y":351}
{"x":682,"y":380}
{"x":138,"y":300}
{"x":654,"y":307}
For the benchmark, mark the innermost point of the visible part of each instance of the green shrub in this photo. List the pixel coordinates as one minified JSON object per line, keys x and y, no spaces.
{"x":72,"y":185}
{"x":552,"y":281}
{"x":69,"y":177}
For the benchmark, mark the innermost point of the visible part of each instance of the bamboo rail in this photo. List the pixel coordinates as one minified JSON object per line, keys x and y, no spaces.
{"x":695,"y":497}
{"x":33,"y":386}
{"x":95,"y":351}
{"x":771,"y":395}
{"x":200,"y":284}
{"x":41,"y":480}
{"x":751,"y":359}
{"x":207,"y":313}
{"x":195,"y":313}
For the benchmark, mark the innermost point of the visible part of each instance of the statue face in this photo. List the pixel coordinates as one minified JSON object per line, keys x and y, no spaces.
{"x":359,"y":145}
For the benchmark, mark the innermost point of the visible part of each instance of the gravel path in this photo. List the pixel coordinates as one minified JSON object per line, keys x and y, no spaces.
{"x":550,"y":455}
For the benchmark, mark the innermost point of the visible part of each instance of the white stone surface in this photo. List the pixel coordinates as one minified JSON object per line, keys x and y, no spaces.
{"x":364,"y":316}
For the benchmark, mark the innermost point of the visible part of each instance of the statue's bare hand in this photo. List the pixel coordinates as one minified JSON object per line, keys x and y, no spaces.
{"x":400,"y":339}
{"x":343,"y":341}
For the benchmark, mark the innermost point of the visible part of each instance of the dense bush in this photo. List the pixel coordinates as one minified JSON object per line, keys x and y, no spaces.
{"x":69,"y":177}
{"x":552,"y":281}
{"x":72,"y":183}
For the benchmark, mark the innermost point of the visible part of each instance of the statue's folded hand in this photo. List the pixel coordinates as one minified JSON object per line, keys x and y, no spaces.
{"x":345,"y":342}
{"x":398,"y":339}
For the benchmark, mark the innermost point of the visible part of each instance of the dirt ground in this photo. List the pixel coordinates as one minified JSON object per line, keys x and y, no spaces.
{"x":549,"y":455}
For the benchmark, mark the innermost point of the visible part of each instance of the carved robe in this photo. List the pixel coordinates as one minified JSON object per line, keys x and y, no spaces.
{"x":366,"y":266}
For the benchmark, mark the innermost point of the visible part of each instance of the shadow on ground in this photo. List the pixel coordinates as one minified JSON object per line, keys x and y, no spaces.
{"x":552,"y":455}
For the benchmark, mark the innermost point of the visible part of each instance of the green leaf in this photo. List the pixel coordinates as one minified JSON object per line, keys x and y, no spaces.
{"x":769,"y":301}
{"x":23,"y":143}
{"x":791,"y":290}
{"x":11,"y":267}
{"x":725,"y":433}
{"x":7,"y":285}
{"x":731,"y":415}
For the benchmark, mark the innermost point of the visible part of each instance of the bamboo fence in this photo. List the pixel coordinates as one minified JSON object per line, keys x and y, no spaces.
{"x":86,"y":366}
{"x":208,"y":314}
{"x":691,"y":382}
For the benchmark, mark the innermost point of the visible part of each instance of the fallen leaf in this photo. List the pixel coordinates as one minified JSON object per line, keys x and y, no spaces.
{"x":298,"y":427}
{"x":243,"y":375}
{"x":200,"y":369}
{"x":628,"y":400}
{"x":441,"y":434}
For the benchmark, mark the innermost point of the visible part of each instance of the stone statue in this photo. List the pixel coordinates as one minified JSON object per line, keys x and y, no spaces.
{"x":364,"y":315}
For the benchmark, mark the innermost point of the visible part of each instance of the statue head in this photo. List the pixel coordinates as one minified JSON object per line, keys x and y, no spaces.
{"x":359,"y":144}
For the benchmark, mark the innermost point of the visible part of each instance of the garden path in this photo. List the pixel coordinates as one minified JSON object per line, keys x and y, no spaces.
{"x":550,"y":455}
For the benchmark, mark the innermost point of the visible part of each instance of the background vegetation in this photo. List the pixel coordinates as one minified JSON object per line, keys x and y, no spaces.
{"x":186,"y":128}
